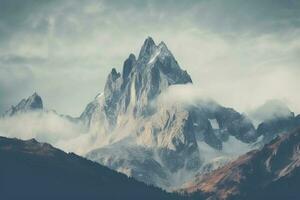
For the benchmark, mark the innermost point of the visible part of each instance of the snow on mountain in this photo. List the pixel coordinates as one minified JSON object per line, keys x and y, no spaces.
{"x":143,"y":126}
{"x":214,"y":124}
{"x":160,"y":142}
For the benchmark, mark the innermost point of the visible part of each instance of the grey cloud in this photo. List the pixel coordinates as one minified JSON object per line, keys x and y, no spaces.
{"x":65,"y":49}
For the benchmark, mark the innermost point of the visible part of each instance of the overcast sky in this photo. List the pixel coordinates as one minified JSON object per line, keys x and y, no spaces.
{"x":241,"y":53}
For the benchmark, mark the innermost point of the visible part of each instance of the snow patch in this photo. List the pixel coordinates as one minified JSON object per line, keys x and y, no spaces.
{"x":232,"y":148}
{"x":157,"y":52}
{"x":214,"y":124}
{"x":235,"y":147}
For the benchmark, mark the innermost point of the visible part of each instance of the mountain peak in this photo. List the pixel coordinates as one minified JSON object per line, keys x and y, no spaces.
{"x":162,"y":45}
{"x":149,"y":41}
{"x":147,"y":49}
{"x":142,"y":80}
{"x":36,"y":98}
{"x":32,"y":103}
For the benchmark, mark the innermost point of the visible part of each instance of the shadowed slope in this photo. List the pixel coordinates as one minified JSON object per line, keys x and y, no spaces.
{"x":33,"y":170}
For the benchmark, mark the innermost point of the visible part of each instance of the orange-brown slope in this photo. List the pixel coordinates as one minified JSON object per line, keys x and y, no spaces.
{"x":270,"y":173}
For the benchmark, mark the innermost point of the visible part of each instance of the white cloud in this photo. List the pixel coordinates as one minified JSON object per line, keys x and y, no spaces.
{"x":48,"y":127}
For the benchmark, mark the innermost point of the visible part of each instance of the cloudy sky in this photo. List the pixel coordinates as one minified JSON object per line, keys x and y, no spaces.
{"x":240,"y":53}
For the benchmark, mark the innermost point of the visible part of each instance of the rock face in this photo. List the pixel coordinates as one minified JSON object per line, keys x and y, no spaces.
{"x":33,"y":170}
{"x":32,"y":103}
{"x":141,"y":81}
{"x":152,"y":141}
{"x":161,"y":141}
{"x":270,"y":173}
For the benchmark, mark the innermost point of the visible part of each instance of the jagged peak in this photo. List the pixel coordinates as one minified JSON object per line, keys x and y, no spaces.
{"x":150,"y":51}
{"x":149,"y":42}
{"x":128,"y":65}
{"x":147,"y":49}
{"x":132,"y":57}
{"x":33,"y":102}
{"x":163,"y":47}
{"x":114,"y":75}
{"x":35,"y":95}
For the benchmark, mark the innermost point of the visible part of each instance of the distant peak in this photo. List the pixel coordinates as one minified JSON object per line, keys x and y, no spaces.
{"x":34,"y":95}
{"x":32,"y":103}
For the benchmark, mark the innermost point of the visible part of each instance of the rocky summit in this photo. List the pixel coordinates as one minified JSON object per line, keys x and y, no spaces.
{"x":138,"y":127}
{"x":135,"y":127}
{"x":161,"y":144}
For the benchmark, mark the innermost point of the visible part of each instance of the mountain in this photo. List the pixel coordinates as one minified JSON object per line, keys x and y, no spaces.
{"x":141,"y":82}
{"x":33,"y":170}
{"x":139,"y":126}
{"x":32,"y":103}
{"x":270,"y":173}
{"x":161,"y":143}
{"x":274,"y":118}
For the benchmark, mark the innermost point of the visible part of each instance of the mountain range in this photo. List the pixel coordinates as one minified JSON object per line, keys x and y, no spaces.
{"x":138,"y":130}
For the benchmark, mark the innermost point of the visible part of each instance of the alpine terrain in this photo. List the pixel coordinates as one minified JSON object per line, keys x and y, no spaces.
{"x":136,"y":127}
{"x":270,"y":173}
{"x":164,"y":142}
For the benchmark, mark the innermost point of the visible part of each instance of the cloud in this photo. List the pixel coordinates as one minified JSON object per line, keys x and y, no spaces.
{"x":48,"y":127}
{"x":271,"y":109}
{"x":65,"y":49}
{"x":187,"y":94}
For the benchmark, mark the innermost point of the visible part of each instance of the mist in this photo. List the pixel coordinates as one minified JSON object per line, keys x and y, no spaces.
{"x":48,"y":127}
{"x":241,"y":54}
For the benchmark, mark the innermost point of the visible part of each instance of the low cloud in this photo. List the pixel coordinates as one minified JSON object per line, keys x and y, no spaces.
{"x":74,"y":45}
{"x":48,"y":127}
{"x":186,"y":94}
{"x":270,"y":110}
